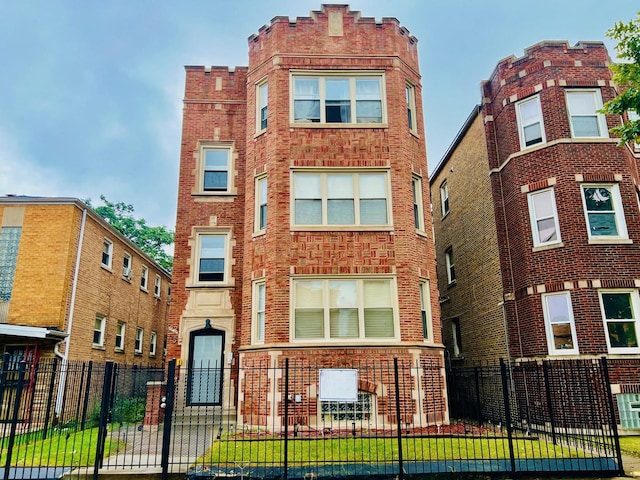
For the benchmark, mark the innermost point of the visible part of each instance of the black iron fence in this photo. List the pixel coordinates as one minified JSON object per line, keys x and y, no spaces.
{"x":301,"y":420}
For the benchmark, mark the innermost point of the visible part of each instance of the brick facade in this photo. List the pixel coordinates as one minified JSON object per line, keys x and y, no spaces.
{"x":221,"y":106}
{"x":42,"y":293}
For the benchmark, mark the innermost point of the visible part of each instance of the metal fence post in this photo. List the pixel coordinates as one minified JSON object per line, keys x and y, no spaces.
{"x":398,"y":419}
{"x":614,"y":423}
{"x":545,"y":371}
{"x":52,"y":383}
{"x":14,"y":418}
{"x":87,"y":391}
{"x":476,"y":374}
{"x":286,"y":418}
{"x":104,"y":414}
{"x":507,"y":413}
{"x":168,"y":417}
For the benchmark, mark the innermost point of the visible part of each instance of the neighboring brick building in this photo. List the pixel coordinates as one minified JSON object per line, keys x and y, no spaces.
{"x":303,"y":225}
{"x":536,"y":218}
{"x":72,"y":286}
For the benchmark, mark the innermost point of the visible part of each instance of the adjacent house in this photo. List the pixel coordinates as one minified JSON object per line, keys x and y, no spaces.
{"x":536,"y":220}
{"x":303,"y":224}
{"x":72,"y":286}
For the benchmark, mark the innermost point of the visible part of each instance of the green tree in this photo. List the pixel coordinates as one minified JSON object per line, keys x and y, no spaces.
{"x":627,"y":75}
{"x":151,"y":240}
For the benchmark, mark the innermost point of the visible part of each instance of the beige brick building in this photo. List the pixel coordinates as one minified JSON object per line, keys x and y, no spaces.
{"x":72,"y":286}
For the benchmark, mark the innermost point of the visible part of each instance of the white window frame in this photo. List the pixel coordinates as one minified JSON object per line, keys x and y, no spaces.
{"x":262,"y":106}
{"x":411,"y":108}
{"x":229,"y":169}
{"x":107,"y":253}
{"x":144,"y":278}
{"x":120,"y":331}
{"x":635,"y":311}
{"x":259,"y":310}
{"x":601,"y":120}
{"x":157,"y":286}
{"x":139,"y":340}
{"x":359,"y":305}
{"x":126,"y":265}
{"x":425,"y":310}
{"x":444,"y":199}
{"x":226,"y":272}
{"x":324,"y":178}
{"x":153,"y":344}
{"x":102,"y":319}
{"x":418,"y":210}
{"x":536,"y":217}
{"x":618,"y":212}
{"x":550,"y":321}
{"x":450,"y":266}
{"x":524,"y":123}
{"x":261,"y":191}
{"x":322,"y":77}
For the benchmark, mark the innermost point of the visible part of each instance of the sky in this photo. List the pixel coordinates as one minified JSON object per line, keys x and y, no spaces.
{"x":91,"y":92}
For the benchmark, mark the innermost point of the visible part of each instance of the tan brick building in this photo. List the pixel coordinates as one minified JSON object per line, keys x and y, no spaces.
{"x":72,"y":286}
{"x":303,"y":226}
{"x":536,"y":219}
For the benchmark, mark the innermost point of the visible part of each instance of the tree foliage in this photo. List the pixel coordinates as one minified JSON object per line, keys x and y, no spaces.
{"x":627,"y":75}
{"x":151,"y":240}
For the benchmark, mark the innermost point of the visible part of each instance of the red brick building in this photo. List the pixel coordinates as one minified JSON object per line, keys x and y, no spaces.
{"x":303,"y":225}
{"x":536,"y":219}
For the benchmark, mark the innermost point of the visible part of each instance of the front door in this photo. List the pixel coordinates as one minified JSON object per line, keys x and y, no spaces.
{"x":204,"y":383}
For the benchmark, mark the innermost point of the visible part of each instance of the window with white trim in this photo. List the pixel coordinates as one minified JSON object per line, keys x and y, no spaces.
{"x":107,"y":253}
{"x":139,"y":339}
{"x":603,"y":211}
{"x":559,"y":323}
{"x":337,"y":98}
{"x":585,"y":120}
{"x":543,"y":217}
{"x":212,"y":264}
{"x":425,"y":310}
{"x":411,"y":107}
{"x":261,"y":205}
{"x":341,"y":198}
{"x":530,"y":124}
{"x":98,"y":330}
{"x":153,"y":344}
{"x":456,"y":338}
{"x":120,"y":327}
{"x":144,"y":277}
{"x":157,"y":286}
{"x":444,"y":198}
{"x":344,"y":309}
{"x":620,"y":314}
{"x":259,"y":305}
{"x":418,"y":213}
{"x":451,"y":268}
{"x":126,"y":266}
{"x":216,"y":168}
{"x":262,"y":103}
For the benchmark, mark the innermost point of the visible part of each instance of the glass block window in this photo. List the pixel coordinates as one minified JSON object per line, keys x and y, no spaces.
{"x":9,"y":242}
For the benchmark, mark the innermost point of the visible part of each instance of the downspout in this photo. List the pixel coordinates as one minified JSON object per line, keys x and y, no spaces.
{"x":65,"y":356}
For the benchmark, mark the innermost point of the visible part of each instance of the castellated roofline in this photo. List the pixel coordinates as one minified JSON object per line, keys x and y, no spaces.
{"x":315,"y":14}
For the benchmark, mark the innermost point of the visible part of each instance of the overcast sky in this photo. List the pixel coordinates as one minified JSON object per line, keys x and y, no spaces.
{"x":91,"y":92}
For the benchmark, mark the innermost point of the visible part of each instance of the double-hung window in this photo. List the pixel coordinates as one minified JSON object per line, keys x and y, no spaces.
{"x":262,"y":102}
{"x":153,"y":344}
{"x":98,"y":330}
{"x":107,"y":252}
{"x":603,"y":211}
{"x":144,"y":278}
{"x":544,"y":218}
{"x":337,"y":99}
{"x":444,"y":198}
{"x":126,"y":266}
{"x":341,"y":198}
{"x":139,"y":338}
{"x":425,"y":309}
{"x":450,"y":265}
{"x":261,"y":205}
{"x":620,"y":314}
{"x":259,"y":305}
{"x":344,"y":309}
{"x":584,"y":117}
{"x":418,"y":213}
{"x":411,"y":107}
{"x":559,"y":323}
{"x":156,"y":286}
{"x":120,"y":335}
{"x":216,"y":169}
{"x":211,"y":263}
{"x":530,"y":124}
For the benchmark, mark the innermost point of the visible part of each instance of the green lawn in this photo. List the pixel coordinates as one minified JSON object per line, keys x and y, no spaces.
{"x":630,"y":445}
{"x":59,"y":449}
{"x":379,"y":450}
